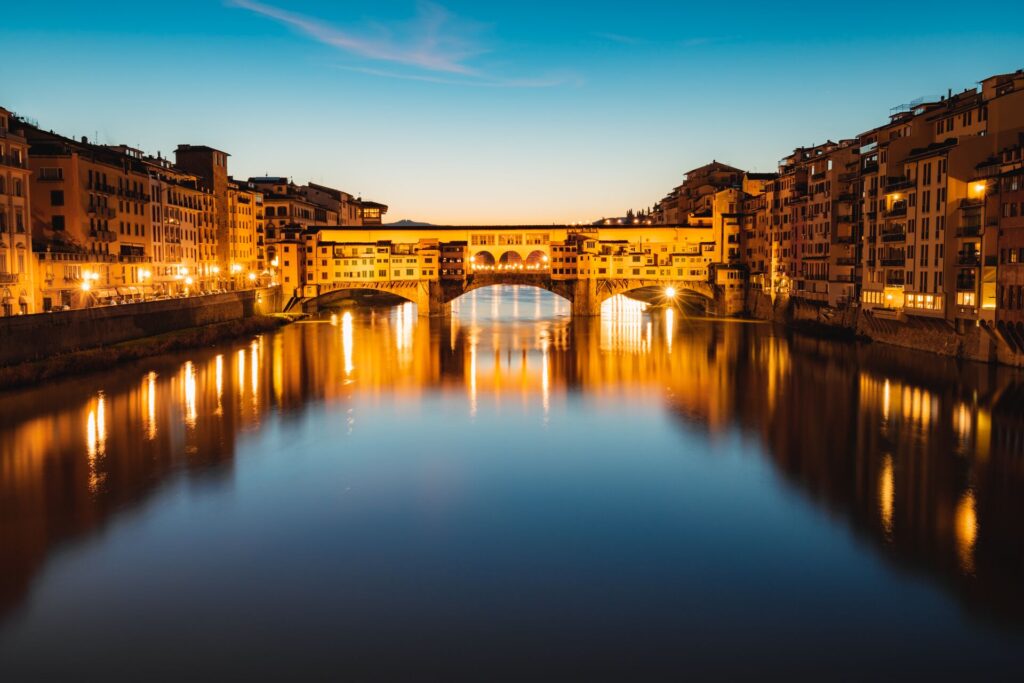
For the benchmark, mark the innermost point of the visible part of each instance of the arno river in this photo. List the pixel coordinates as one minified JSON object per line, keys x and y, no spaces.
{"x":513,"y":492}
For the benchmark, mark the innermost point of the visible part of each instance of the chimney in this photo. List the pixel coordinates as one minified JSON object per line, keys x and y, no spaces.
{"x":85,"y":140}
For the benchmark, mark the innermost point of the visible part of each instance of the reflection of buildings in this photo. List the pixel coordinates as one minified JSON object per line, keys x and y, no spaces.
{"x":866,"y":433}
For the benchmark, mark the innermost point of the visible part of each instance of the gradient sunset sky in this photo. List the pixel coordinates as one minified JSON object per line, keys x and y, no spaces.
{"x":471,"y":112}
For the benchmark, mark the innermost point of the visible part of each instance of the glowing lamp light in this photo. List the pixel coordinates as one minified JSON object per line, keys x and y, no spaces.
{"x":215,"y":270}
{"x":274,"y":263}
{"x":188,"y":281}
{"x":86,"y":286}
{"x":670,"y":292}
{"x":252,"y":277}
{"x":979,"y":188}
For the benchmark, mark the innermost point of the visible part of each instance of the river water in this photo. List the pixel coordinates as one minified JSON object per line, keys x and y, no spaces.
{"x":511,"y":493}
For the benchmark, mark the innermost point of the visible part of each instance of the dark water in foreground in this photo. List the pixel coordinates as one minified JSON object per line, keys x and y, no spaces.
{"x":514,"y":493}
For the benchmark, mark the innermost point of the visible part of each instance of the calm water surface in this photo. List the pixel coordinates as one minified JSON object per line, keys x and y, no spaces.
{"x":511,"y":493}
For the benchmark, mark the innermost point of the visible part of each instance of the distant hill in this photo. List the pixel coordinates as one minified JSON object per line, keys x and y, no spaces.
{"x":409,"y":224}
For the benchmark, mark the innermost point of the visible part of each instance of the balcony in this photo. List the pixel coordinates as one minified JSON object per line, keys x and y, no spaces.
{"x":133,"y":195}
{"x":969,"y":230}
{"x":894,"y":235}
{"x":846,"y":261}
{"x":898,"y":210}
{"x":842,"y":278}
{"x":847,"y":177}
{"x":135,"y":258}
{"x":101,"y":211}
{"x":844,"y":219}
{"x":871,"y":167}
{"x":969,"y":259}
{"x":893,"y":262}
{"x":893,"y":184}
{"x":102,"y":189}
{"x":895,"y":279}
{"x":847,"y":197}
{"x":845,"y":239}
{"x":966,"y":284}
{"x":969,"y":203}
{"x":8,"y":278}
{"x":103,"y":235}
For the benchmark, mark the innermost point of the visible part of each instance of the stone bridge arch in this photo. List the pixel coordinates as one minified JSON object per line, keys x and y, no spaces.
{"x":480,"y":280}
{"x":434,"y":297}
{"x":591,"y":294}
{"x":412,"y":291}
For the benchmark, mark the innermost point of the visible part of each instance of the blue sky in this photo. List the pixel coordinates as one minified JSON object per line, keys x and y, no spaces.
{"x":461,"y":112}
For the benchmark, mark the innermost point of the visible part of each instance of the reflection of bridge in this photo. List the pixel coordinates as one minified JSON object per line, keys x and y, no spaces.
{"x":432,"y":266}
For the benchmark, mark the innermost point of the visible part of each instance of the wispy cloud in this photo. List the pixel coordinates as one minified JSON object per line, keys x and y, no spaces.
{"x":482,"y":82}
{"x":435,"y":41}
{"x":622,"y":39}
{"x":619,"y":38}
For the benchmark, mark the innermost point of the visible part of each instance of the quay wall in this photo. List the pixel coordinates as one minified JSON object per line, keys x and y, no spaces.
{"x":938,"y":336}
{"x":34,"y":337}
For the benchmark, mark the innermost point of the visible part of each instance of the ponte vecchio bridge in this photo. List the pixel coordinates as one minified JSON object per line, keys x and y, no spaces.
{"x":433,"y":265}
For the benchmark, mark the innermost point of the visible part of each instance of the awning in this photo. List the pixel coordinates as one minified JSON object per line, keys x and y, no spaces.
{"x":106,"y":293}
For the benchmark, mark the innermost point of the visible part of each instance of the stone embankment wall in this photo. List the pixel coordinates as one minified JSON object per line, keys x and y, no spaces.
{"x":33,"y":337}
{"x":975,"y":343}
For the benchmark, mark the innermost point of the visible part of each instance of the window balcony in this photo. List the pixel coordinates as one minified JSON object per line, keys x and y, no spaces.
{"x":969,"y":230}
{"x":969,"y":259}
{"x":894,"y":261}
{"x":898,"y":210}
{"x":898,"y":183}
{"x":8,"y":278}
{"x":894,"y":235}
{"x":103,"y":235}
{"x":966,"y":284}
{"x":101,"y":211}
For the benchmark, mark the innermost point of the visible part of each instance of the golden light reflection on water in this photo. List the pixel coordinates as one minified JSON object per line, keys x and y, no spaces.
{"x":151,"y":405}
{"x":966,"y":530}
{"x":346,"y":341}
{"x":886,"y":494}
{"x":191,"y":411}
{"x":857,"y":434}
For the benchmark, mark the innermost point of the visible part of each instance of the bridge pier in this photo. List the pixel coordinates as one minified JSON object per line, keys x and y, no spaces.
{"x":585,"y":300}
{"x":431,"y":301}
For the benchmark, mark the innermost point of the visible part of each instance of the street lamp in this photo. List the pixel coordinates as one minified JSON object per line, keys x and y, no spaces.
{"x":670,"y":292}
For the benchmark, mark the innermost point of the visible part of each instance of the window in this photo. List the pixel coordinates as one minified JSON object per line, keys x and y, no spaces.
{"x":58,"y":223}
